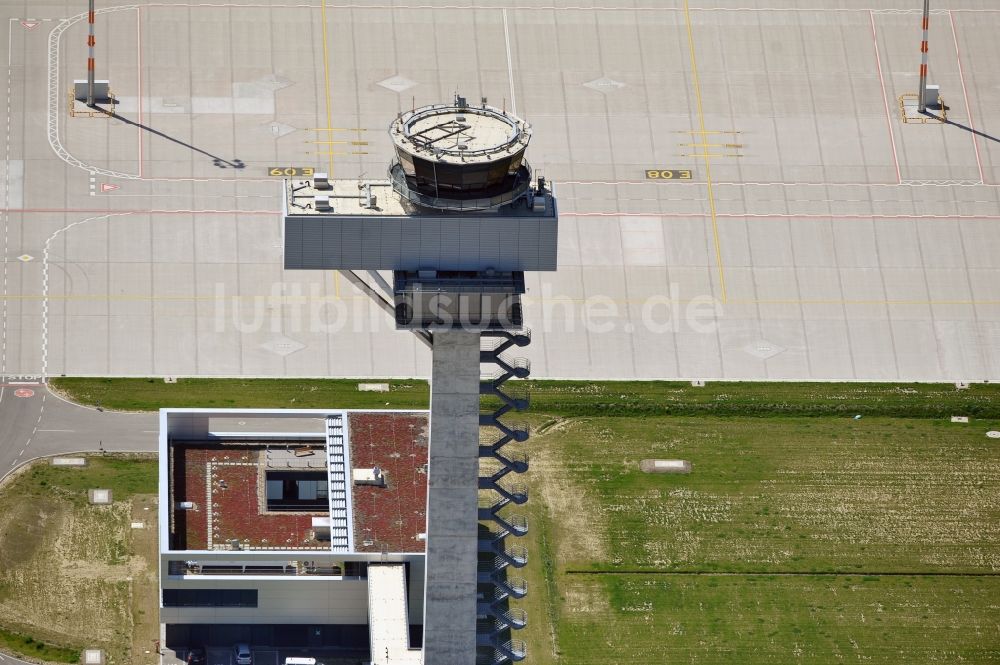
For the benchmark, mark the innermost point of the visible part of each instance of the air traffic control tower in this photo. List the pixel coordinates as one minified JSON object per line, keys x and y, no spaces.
{"x":458,"y":222}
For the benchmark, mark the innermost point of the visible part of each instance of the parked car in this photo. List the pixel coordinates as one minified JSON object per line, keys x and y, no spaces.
{"x":242,"y":655}
{"x":195,"y":656}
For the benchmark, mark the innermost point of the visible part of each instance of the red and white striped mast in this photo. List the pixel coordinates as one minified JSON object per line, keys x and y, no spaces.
{"x":90,"y":59}
{"x":922,"y":92}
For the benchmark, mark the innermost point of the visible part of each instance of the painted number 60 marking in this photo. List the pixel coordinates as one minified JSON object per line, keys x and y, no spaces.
{"x":291,"y":171}
{"x":667,"y":174}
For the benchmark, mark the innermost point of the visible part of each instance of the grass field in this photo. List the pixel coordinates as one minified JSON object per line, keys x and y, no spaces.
{"x":129,"y":394}
{"x":557,"y":398}
{"x":71,"y":574}
{"x":794,"y":539}
{"x":803,"y":535}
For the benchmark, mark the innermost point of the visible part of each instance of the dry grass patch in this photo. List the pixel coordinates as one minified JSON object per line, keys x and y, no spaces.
{"x":68,"y":569}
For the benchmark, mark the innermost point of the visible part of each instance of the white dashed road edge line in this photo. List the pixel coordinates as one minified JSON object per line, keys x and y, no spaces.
{"x":34,"y":430}
{"x":45,"y":283}
{"x":6,"y":195}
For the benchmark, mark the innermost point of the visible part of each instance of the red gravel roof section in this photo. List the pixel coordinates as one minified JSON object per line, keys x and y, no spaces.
{"x":237,"y":499}
{"x":390,"y":517}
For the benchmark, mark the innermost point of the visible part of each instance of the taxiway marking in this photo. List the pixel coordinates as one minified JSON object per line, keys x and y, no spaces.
{"x":326,"y":77}
{"x":708,"y":160}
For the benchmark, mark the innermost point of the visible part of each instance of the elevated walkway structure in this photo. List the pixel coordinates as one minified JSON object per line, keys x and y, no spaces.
{"x":389,"y":630}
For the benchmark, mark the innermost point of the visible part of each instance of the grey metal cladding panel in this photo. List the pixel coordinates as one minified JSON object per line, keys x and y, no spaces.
{"x":293,"y":244}
{"x":409,"y":246}
{"x":548,"y":246}
{"x":469,"y":247}
{"x":329,"y":244}
{"x":490,"y":237}
{"x":451,"y":247}
{"x":371,"y":243}
{"x":430,"y":243}
{"x":527,"y":244}
{"x":392,"y":235}
{"x":351,"y":244}
{"x":311,"y":245}
{"x":511,"y":254}
{"x":547,"y":253}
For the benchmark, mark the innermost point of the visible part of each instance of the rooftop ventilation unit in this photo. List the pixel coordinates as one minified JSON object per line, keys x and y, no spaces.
{"x":373,"y":476}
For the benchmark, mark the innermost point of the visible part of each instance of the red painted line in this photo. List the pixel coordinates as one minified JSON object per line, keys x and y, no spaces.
{"x":731,"y":182}
{"x":547,"y":8}
{"x":965,"y":93}
{"x":750,"y":215}
{"x":181,"y":179}
{"x":91,"y":211}
{"x":885,"y":99}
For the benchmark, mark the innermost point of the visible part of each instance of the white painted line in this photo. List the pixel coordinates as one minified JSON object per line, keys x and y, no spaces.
{"x":45,"y":283}
{"x":57,"y":430}
{"x":6,"y":197}
{"x":510,"y":68}
{"x":965,"y":93}
{"x":885,"y":99}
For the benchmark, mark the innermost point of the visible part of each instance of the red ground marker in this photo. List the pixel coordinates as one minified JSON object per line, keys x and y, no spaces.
{"x":24,"y":392}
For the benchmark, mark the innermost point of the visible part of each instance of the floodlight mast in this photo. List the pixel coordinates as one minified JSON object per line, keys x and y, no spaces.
{"x":90,"y":58}
{"x":922,"y":91}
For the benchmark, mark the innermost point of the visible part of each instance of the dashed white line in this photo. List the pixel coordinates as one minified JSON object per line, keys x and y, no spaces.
{"x":45,"y":286}
{"x":41,"y":412}
{"x":6,"y":198}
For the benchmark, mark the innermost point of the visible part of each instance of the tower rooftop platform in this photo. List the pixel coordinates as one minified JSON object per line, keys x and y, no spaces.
{"x":456,"y":134}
